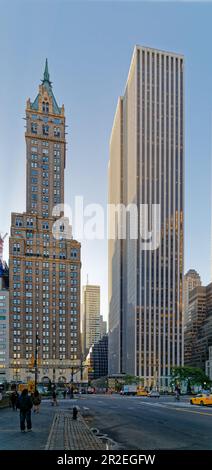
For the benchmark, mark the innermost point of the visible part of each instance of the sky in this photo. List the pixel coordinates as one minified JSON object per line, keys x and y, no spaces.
{"x":89,"y":47}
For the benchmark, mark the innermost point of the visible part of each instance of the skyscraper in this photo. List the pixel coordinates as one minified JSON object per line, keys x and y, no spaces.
{"x":191,"y":280}
{"x":91,"y":316}
{"x":44,"y":269}
{"x":198,"y":329}
{"x":103,"y":326}
{"x":146,"y":167}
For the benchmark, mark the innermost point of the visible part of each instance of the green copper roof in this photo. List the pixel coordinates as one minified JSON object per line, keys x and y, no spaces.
{"x":48,"y":85}
{"x":46,"y":77}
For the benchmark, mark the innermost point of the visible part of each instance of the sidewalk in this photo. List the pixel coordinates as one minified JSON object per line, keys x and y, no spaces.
{"x":12,"y":439}
{"x":53,"y":428}
{"x":69,"y":434}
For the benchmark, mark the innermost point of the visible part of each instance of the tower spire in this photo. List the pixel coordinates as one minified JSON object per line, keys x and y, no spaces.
{"x":46,"y":76}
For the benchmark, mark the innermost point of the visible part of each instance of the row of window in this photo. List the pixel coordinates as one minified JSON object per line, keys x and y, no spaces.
{"x":45,"y":153}
{"x":45,"y":109}
{"x":62,"y":255}
{"x":45,"y":143}
{"x":45,"y":130}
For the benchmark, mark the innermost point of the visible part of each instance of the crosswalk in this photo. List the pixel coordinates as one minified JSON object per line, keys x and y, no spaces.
{"x":172,"y":405}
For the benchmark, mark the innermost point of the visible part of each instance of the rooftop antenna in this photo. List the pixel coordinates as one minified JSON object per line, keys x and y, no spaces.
{"x":87,"y":280}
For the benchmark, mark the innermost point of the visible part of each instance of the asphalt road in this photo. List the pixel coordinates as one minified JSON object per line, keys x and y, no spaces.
{"x":150,"y":423}
{"x":135,"y":423}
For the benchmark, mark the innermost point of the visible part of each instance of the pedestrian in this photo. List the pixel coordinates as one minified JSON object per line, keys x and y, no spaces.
{"x":177,"y":393}
{"x":54,"y":398}
{"x":14,"y":400}
{"x":36,"y":400}
{"x":25,"y":405}
{"x":64,"y":393}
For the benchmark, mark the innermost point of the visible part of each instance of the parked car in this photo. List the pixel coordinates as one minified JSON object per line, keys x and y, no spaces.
{"x":201,"y":399}
{"x":154,"y":394}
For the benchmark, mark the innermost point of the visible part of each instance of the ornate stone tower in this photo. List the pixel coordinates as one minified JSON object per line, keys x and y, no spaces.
{"x":46,"y":123}
{"x":44,"y":271}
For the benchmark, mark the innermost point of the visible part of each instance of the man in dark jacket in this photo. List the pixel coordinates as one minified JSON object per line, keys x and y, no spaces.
{"x":25,"y":405}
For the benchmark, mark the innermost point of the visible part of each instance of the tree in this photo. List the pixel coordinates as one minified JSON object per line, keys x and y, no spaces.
{"x":131,"y":379}
{"x":191,"y":375}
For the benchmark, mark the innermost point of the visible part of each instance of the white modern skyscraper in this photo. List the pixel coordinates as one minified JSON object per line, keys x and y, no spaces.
{"x":91,"y":316}
{"x":147,"y":167}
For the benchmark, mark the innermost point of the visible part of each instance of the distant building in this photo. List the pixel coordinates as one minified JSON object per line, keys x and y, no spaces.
{"x":191,"y":280}
{"x":196,"y":310}
{"x":4,"y":322}
{"x":91,"y":316}
{"x":198,"y":330}
{"x":97,"y":359}
{"x":103,"y":326}
{"x":208,"y":364}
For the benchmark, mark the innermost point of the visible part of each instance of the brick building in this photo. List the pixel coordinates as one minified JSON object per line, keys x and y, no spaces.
{"x":45,"y":263}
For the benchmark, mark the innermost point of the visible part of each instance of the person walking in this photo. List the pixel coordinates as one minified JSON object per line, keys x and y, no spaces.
{"x":14,"y":400}
{"x":177,"y":393}
{"x":25,"y":405}
{"x":64,"y":393}
{"x":54,"y":398}
{"x":36,"y":400}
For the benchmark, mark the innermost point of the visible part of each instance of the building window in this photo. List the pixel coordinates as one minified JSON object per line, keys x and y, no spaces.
{"x":74,"y":253}
{"x":45,"y":129}
{"x":45,"y":107}
{"x":56,"y":132}
{"x":16,"y":247}
{"x":18,"y":222}
{"x":29,"y":222}
{"x":34,"y":128}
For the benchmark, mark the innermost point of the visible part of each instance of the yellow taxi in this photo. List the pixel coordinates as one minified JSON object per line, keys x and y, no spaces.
{"x":201,"y":399}
{"x":141,"y":392}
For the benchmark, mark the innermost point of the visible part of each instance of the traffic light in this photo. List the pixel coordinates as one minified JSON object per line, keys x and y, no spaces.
{"x":31,"y":361}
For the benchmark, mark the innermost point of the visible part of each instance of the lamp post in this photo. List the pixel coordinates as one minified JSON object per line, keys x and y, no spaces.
{"x":37,"y":344}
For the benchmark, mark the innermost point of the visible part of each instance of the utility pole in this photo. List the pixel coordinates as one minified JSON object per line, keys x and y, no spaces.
{"x":72,"y":375}
{"x":37,"y":344}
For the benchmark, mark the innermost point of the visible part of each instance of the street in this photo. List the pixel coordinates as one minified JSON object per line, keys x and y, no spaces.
{"x":133,"y":422}
{"x":150,"y":423}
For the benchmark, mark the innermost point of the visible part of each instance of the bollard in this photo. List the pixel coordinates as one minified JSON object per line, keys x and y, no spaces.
{"x":75,"y":412}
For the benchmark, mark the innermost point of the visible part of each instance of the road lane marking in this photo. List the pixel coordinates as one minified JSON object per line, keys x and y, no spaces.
{"x":159,"y":405}
{"x":193,"y":411}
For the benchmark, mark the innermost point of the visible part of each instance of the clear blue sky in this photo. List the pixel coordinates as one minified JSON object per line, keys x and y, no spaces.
{"x":89,"y":47}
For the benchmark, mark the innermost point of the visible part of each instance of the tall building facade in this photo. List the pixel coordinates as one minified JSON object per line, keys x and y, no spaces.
{"x":103,"y":326}
{"x":44,"y":263}
{"x":196,"y":312}
{"x":4,"y":321}
{"x":91,"y":316}
{"x":198,"y":330}
{"x":97,"y":359}
{"x":191,"y":280}
{"x":147,"y":167}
